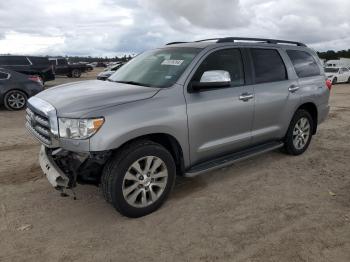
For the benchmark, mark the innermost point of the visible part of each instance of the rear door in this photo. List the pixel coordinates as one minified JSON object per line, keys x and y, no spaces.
{"x":311,"y":77}
{"x":276,"y":93}
{"x":220,"y":119}
{"x":344,"y":75}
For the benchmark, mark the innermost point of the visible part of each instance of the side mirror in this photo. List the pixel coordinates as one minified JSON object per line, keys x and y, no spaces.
{"x":212,"y":79}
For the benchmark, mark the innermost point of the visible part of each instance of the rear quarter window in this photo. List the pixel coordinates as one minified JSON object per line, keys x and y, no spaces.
{"x":39,"y":60}
{"x":268,"y":66}
{"x":304,"y":63}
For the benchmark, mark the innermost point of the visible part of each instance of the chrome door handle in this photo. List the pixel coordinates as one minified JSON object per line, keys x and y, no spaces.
{"x":245,"y":97}
{"x":293,"y":88}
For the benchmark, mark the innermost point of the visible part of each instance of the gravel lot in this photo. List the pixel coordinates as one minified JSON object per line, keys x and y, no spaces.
{"x":270,"y":208}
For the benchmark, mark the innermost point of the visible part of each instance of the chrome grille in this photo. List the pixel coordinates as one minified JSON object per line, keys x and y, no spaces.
{"x":39,"y":126}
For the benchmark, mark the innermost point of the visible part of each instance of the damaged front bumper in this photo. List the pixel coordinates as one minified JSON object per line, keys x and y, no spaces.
{"x":57,"y":178}
{"x":64,"y":168}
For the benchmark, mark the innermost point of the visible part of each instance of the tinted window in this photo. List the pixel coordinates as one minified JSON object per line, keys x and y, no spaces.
{"x":13,"y":60}
{"x":229,"y":60}
{"x":304,"y":63}
{"x":39,"y":60}
{"x":268,"y":65}
{"x":3,"y":75}
{"x":61,"y":61}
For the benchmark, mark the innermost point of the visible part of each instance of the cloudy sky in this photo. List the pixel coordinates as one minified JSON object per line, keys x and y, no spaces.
{"x":113,"y":27}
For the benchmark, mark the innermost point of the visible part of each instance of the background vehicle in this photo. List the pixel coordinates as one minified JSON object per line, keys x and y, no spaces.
{"x":29,"y":65}
{"x":16,"y":88}
{"x":338,"y":74}
{"x":184,"y":109}
{"x":109,"y":71}
{"x":62,"y":67}
{"x":342,"y":62}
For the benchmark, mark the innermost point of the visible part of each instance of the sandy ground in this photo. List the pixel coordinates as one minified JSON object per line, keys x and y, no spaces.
{"x":270,"y":208}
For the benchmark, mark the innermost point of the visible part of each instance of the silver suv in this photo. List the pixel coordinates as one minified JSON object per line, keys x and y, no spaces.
{"x":183,"y":109}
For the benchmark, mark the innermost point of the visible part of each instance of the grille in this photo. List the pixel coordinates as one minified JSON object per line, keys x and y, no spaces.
{"x":39,"y":126}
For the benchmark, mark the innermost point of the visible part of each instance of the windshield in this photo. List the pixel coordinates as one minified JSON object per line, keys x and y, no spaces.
{"x":331,"y":70}
{"x":156,"y":68}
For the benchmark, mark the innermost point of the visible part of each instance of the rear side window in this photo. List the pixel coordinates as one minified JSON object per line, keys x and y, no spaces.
{"x":304,"y":63}
{"x":39,"y":60}
{"x":13,"y":60}
{"x":229,"y":60}
{"x":268,"y":66}
{"x":3,"y":76}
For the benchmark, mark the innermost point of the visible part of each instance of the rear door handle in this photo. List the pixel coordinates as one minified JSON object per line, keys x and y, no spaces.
{"x":246,"y":96}
{"x":293,"y":88}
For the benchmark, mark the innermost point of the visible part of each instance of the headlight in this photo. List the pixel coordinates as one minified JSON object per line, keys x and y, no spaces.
{"x":79,"y":128}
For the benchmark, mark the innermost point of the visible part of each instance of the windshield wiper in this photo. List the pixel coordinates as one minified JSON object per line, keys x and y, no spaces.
{"x":133,"y":83}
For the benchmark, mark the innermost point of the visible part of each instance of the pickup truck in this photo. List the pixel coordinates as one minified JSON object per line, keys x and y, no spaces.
{"x":62,"y":67}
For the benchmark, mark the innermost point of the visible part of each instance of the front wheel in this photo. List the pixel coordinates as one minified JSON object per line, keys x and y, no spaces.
{"x":299,"y":133}
{"x":139,"y":178}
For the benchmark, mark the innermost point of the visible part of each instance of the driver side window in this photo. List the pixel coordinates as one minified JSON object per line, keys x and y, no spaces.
{"x":229,"y":60}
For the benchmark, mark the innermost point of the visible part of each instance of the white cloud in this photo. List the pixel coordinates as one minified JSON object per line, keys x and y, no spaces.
{"x":109,"y":27}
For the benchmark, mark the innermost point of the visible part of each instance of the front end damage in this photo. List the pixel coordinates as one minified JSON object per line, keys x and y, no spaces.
{"x":64,"y":169}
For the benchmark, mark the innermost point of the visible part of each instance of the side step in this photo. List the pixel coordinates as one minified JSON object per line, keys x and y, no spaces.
{"x":231,"y":158}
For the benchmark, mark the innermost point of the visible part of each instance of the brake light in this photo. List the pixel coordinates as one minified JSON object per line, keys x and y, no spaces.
{"x":35,"y":79}
{"x":329,"y":84}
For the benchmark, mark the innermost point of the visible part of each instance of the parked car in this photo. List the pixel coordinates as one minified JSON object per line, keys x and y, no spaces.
{"x":16,"y":88}
{"x":184,"y":109}
{"x":62,"y":67}
{"x":108,"y":72}
{"x":29,"y":65}
{"x":338,"y":74}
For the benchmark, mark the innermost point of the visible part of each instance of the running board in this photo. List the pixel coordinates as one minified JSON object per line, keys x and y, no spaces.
{"x":232,"y":158}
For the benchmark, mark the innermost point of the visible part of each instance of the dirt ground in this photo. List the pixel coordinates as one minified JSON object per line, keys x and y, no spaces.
{"x":270,"y":208}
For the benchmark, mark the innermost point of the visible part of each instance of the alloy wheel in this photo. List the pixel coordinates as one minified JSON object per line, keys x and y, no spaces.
{"x":145,"y":181}
{"x":301,"y":133}
{"x":16,"y":100}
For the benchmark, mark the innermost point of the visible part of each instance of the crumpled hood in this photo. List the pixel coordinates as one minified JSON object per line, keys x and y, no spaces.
{"x":76,"y":99}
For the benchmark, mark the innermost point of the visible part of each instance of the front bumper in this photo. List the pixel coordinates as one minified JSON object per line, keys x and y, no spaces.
{"x":54,"y":174}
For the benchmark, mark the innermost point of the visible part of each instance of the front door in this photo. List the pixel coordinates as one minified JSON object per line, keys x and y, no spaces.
{"x":220,"y":119}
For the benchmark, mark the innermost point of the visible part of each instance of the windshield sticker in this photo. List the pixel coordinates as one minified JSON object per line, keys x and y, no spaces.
{"x":172,"y":62}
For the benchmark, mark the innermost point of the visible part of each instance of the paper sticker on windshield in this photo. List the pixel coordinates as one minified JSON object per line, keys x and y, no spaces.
{"x":172,"y":62}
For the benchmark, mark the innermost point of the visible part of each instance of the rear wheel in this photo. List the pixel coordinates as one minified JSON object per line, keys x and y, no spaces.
{"x":299,"y":133}
{"x":76,"y":73}
{"x":335,"y":80}
{"x":15,"y":100}
{"x":139,"y":178}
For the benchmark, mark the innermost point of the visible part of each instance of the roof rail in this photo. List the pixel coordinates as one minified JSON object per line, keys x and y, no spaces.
{"x":266,"y":40}
{"x":174,"y":43}
{"x":233,"y":39}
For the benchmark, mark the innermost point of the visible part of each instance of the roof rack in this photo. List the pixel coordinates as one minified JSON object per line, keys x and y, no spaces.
{"x":174,"y":43}
{"x":233,"y":39}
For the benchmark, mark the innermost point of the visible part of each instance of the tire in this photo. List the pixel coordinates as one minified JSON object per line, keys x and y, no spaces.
{"x":15,"y":100}
{"x":292,"y":145}
{"x":132,"y":194}
{"x":349,"y":80}
{"x":335,"y":80}
{"x":76,"y":73}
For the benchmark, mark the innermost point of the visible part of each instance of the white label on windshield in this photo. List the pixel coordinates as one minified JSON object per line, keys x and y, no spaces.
{"x":172,"y":62}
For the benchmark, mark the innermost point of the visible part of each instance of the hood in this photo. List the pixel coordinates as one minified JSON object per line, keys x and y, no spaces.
{"x":76,"y":99}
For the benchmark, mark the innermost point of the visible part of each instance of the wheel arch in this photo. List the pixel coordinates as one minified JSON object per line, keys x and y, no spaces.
{"x":313,"y":111}
{"x":167,"y":141}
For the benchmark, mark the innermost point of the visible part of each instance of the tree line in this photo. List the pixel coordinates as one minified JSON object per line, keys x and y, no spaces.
{"x":333,"y":55}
